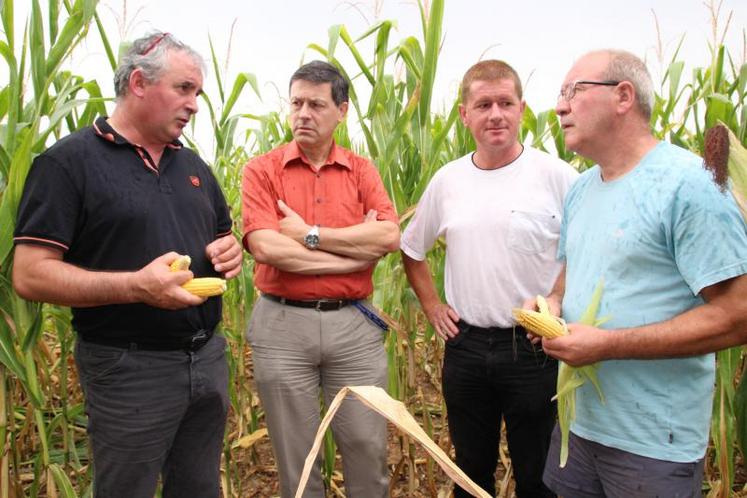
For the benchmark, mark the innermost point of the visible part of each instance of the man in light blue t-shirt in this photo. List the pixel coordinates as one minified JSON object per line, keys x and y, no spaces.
{"x":671,"y":249}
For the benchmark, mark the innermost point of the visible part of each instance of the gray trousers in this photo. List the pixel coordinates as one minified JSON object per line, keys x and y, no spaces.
{"x":597,"y":471}
{"x":295,"y":352}
{"x":155,"y":412}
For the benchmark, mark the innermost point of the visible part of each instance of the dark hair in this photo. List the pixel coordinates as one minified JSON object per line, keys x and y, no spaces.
{"x":323,"y":72}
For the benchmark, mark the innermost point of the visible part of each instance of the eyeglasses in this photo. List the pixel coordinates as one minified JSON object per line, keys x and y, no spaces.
{"x":154,"y":43}
{"x":567,"y":92}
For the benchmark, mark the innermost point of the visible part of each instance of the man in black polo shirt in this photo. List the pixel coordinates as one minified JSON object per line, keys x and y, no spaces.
{"x":104,"y":213}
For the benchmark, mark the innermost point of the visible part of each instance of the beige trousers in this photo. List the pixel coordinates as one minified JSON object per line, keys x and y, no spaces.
{"x":297,"y":351}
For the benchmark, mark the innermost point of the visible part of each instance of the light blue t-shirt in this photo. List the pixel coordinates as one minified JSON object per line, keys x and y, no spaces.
{"x":657,"y":236}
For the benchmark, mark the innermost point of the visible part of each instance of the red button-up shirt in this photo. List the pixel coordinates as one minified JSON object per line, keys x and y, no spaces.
{"x":338,"y":195}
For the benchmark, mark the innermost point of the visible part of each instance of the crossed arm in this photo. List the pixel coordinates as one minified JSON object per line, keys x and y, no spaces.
{"x":719,"y":323}
{"x":341,"y":250}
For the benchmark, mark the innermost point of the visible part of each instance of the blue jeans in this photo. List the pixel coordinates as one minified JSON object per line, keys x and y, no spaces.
{"x":489,"y":374}
{"x":155,"y":412}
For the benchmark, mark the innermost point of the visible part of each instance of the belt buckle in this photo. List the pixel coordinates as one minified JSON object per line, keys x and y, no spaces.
{"x":318,"y":306}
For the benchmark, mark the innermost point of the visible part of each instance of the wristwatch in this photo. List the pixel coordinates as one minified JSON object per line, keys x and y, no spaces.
{"x":311,"y":240}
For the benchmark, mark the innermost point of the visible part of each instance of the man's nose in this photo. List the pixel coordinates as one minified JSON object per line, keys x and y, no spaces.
{"x":303,"y":111}
{"x":496,"y":112}
{"x":192,"y":106}
{"x":562,"y":106}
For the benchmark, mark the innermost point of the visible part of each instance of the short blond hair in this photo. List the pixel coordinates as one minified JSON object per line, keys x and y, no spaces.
{"x":489,"y":70}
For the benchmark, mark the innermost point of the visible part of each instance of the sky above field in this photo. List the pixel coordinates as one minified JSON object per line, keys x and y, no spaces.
{"x":540,"y":39}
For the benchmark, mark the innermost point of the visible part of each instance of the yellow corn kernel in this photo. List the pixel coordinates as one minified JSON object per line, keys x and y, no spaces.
{"x":206,"y":286}
{"x":181,"y":263}
{"x":541,"y":324}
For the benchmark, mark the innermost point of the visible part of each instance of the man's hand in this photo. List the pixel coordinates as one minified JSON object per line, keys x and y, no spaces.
{"x":583,"y":345}
{"x":292,"y":225}
{"x":225,"y":255}
{"x":444,"y":319}
{"x":156,"y":285}
{"x":370,"y":216}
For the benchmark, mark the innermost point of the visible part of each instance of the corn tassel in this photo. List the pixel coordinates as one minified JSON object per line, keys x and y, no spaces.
{"x":726,"y":158}
{"x":206,"y":287}
{"x":203,"y":287}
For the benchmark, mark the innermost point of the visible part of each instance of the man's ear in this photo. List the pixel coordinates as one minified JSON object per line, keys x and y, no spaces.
{"x":463,"y":114}
{"x":626,"y":96}
{"x":343,"y":108}
{"x":137,"y":82}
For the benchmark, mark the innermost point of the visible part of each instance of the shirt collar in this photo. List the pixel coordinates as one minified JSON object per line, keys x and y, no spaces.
{"x":103,"y":129}
{"x":336,"y":155}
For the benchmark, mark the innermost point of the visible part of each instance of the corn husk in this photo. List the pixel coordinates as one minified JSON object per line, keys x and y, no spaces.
{"x":395,"y":411}
{"x":569,"y":378}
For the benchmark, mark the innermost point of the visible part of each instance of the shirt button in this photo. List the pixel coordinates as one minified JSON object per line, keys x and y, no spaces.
{"x":319,"y":200}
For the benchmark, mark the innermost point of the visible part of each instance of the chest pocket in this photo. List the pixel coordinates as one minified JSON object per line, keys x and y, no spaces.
{"x":532,"y":233}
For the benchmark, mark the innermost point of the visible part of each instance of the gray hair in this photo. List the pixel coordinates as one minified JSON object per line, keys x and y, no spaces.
{"x":624,"y":66}
{"x":149,"y":55}
{"x":319,"y":72}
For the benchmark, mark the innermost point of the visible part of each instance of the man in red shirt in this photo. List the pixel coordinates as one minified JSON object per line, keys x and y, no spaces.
{"x":316,"y":219}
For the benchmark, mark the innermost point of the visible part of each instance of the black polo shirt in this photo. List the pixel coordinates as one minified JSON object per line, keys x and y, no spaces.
{"x":100,"y":200}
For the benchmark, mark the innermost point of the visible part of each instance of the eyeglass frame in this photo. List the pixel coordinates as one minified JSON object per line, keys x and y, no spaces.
{"x":156,"y":41}
{"x":571,"y":88}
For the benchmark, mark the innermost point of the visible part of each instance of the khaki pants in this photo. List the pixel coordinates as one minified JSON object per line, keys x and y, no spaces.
{"x":295,"y":352}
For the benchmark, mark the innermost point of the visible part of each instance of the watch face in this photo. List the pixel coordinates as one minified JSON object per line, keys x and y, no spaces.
{"x":311,"y":241}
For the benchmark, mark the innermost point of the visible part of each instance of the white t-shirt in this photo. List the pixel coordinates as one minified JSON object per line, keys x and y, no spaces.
{"x":501,"y":228}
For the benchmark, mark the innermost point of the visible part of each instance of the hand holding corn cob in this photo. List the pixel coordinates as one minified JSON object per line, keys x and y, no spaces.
{"x":544,"y":324}
{"x":203,"y":287}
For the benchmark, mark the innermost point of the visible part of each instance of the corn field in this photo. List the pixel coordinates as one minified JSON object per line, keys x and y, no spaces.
{"x":43,"y":446}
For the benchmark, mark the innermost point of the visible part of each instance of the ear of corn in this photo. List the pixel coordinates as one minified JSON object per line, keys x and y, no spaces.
{"x":542,"y":324}
{"x":545,"y":324}
{"x":203,"y":287}
{"x":181,"y":263}
{"x":542,"y":306}
{"x":206,"y":287}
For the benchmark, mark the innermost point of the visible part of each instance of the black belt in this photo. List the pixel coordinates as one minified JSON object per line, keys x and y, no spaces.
{"x":190,"y":344}
{"x":318,"y":304}
{"x":490,"y":330}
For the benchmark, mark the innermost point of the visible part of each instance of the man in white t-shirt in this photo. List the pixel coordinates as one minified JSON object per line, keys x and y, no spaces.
{"x":499,"y":210}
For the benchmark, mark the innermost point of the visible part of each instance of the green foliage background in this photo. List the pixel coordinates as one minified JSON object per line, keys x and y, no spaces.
{"x":43,"y":449}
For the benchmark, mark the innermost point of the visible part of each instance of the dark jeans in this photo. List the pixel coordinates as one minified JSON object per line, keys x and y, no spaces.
{"x":490,"y":374}
{"x":155,"y":412}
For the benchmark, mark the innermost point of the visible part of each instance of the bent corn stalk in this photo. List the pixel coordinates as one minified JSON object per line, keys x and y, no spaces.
{"x":395,"y":411}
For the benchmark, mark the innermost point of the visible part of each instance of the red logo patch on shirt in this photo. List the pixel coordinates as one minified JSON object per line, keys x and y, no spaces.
{"x":195,"y":180}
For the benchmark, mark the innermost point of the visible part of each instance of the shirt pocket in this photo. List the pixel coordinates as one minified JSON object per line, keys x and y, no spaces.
{"x":532,"y":233}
